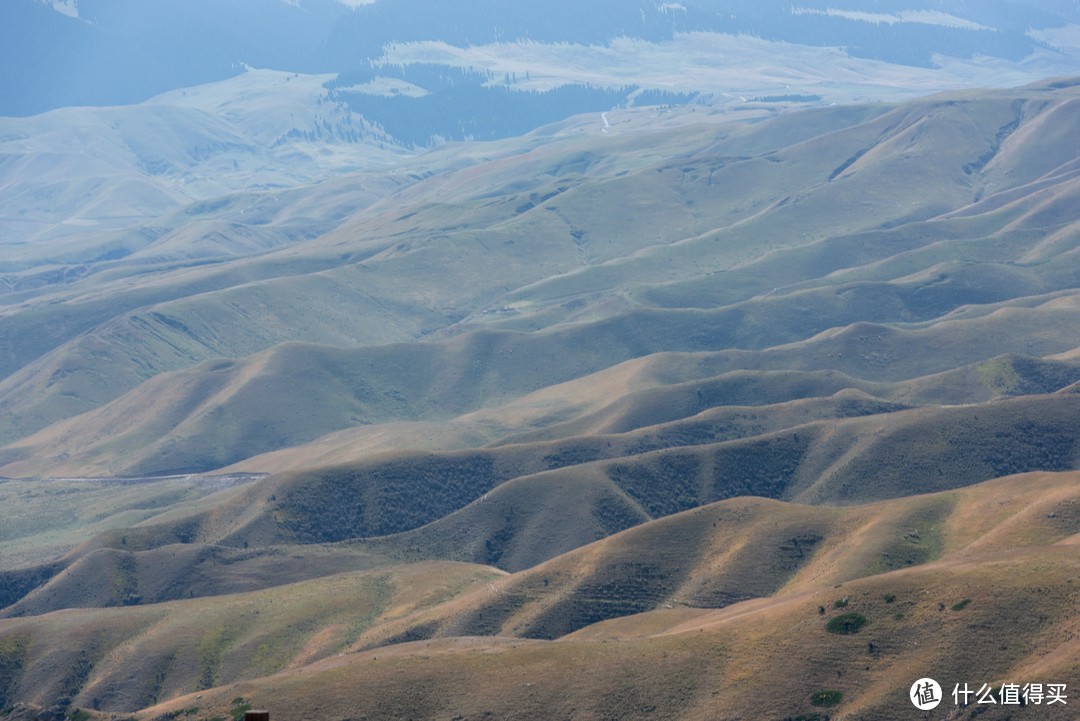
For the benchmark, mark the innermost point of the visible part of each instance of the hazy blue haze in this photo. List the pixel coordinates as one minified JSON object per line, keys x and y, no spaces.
{"x":123,"y":51}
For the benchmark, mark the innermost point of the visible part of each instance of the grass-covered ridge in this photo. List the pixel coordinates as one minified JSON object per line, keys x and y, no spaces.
{"x":743,"y":581}
{"x":581,"y":423}
{"x":886,"y":238}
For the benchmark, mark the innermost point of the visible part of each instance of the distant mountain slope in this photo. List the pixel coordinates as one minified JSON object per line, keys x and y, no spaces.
{"x":94,"y":171}
{"x":224,"y":412}
{"x":544,"y":388}
{"x":921,"y":226}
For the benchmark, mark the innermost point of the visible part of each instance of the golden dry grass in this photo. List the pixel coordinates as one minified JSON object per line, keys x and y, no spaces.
{"x":132,"y":656}
{"x":754,"y":660}
{"x":1001,"y":552}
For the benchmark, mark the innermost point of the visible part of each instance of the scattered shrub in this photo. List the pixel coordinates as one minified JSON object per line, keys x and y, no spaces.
{"x":827,"y":697}
{"x":961,"y":605}
{"x":238,"y":712}
{"x":846,"y":623}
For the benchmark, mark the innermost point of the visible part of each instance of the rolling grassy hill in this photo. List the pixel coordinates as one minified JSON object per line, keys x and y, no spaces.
{"x":745,"y":548}
{"x":170,"y":647}
{"x":708,"y":261}
{"x":44,"y":521}
{"x":598,"y":422}
{"x":916,"y":569}
{"x":79,"y":171}
{"x":517,"y":504}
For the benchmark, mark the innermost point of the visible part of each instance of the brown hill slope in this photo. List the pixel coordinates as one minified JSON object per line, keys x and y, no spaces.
{"x":107,"y":577}
{"x":515,"y":506}
{"x":746,"y":548}
{"x":1008,"y":553}
{"x":613,"y":348}
{"x":125,"y":658}
{"x":840,"y":559}
{"x":43,"y":521}
{"x":221,"y":412}
{"x":670,"y":388}
{"x":844,"y":460}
